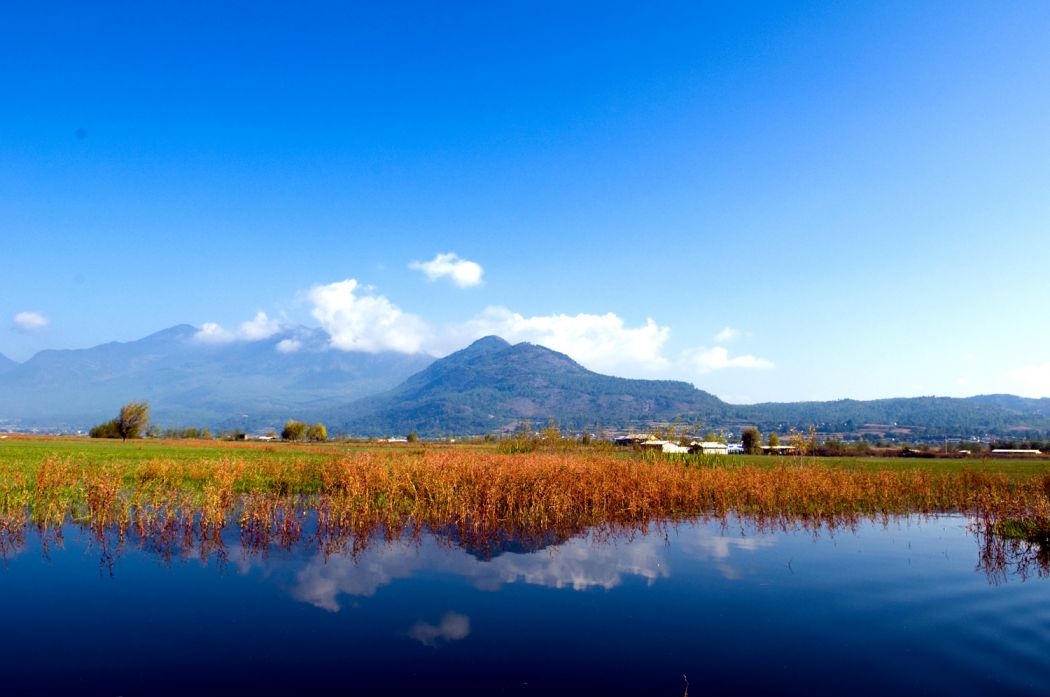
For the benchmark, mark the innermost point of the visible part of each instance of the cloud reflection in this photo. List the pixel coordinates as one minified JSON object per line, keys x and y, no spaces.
{"x":719,"y":548}
{"x":453,"y":627}
{"x":580,"y":564}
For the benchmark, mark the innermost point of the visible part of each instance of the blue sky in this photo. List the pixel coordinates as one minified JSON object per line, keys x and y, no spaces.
{"x":773,"y":201}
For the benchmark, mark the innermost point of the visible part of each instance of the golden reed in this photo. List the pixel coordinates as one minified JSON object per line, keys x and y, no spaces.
{"x":479,"y":498}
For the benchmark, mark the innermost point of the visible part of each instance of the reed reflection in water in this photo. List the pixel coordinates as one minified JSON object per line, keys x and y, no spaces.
{"x":351,"y":555}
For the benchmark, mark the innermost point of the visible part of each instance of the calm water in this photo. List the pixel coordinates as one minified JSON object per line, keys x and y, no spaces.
{"x":906,"y":608}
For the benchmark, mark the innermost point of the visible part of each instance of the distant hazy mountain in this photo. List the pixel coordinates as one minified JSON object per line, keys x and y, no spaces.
{"x":927,"y":417}
{"x":492,"y":385}
{"x":6,"y":363}
{"x":187,"y":382}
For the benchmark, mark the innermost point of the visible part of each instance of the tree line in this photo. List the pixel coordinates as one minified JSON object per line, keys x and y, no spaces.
{"x":132,"y":421}
{"x":298,"y":430}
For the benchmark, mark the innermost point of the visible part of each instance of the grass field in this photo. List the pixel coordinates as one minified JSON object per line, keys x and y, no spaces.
{"x":180,"y":496}
{"x":1014,"y":468}
{"x":30,"y":451}
{"x":31,"y":465}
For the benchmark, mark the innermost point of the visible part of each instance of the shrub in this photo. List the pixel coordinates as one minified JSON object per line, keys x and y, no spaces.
{"x":293,"y":430}
{"x":130,"y":423}
{"x":105,"y":430}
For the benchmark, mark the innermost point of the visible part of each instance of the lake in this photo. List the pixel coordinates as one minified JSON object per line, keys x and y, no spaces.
{"x":911,"y":605}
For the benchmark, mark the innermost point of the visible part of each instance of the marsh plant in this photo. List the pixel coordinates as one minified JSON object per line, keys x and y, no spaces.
{"x":342,"y":503}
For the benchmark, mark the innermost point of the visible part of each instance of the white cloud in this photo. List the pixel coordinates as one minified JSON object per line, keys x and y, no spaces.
{"x":259,"y":328}
{"x":289,"y":345}
{"x":213,"y":333}
{"x":30,"y":321}
{"x":706,"y":360}
{"x":256,"y":329}
{"x":726,"y":335}
{"x":461,"y":272}
{"x":600,"y":342}
{"x":1032,"y":380}
{"x":368,"y":323}
{"x":356,"y":318}
{"x":453,"y":627}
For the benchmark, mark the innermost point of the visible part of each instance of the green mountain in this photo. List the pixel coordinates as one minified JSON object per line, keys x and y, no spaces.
{"x":493,"y":386}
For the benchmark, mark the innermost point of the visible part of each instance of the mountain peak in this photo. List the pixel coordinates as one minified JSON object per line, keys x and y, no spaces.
{"x":488,"y":343}
{"x":492,"y":386}
{"x":179,"y":331}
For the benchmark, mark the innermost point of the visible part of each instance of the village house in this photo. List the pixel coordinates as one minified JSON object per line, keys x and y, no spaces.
{"x":664,"y":446}
{"x":709,"y":447}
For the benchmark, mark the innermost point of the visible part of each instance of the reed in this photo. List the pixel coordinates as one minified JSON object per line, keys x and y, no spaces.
{"x":344,"y":501}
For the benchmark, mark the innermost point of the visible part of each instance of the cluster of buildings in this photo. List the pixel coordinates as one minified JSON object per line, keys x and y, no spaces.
{"x":705,"y":447}
{"x":702,"y":447}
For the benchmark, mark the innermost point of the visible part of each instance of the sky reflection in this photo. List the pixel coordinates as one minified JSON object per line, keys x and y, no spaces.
{"x":581,"y":564}
{"x":618,"y":613}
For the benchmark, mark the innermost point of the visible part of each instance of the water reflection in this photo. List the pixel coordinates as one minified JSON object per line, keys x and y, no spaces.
{"x":345,"y":556}
{"x":1002,"y":558}
{"x":613,"y":609}
{"x":580,"y":564}
{"x":452,"y":627}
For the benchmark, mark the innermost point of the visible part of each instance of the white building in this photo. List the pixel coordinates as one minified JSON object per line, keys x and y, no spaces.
{"x":664,"y":446}
{"x":709,"y":447}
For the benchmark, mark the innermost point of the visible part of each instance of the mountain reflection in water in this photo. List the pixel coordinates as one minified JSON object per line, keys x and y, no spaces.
{"x":356,"y":559}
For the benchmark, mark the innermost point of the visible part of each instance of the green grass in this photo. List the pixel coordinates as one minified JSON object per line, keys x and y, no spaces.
{"x":30,"y":452}
{"x":1012,"y":468}
{"x":1027,"y":530}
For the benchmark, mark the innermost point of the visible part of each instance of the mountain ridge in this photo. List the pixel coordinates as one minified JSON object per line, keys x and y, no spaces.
{"x":926,"y":416}
{"x":490,"y":386}
{"x":187,"y":381}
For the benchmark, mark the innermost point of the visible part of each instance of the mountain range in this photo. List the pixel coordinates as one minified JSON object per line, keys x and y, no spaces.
{"x":490,"y":386}
{"x":190,"y":382}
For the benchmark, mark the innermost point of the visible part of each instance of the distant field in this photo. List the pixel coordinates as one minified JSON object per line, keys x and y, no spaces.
{"x":30,"y":451}
{"x":1013,"y":468}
